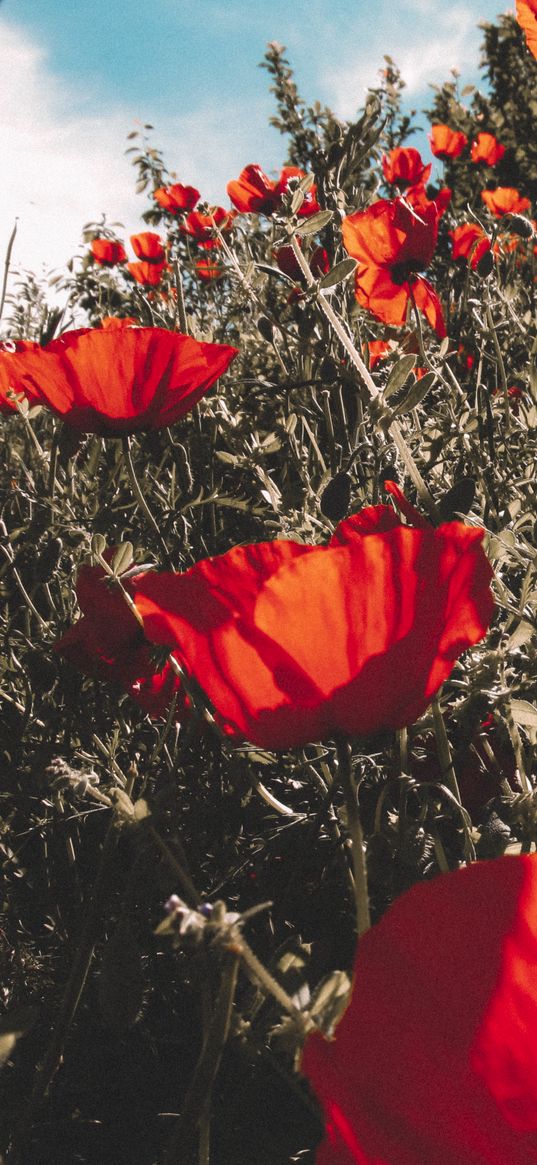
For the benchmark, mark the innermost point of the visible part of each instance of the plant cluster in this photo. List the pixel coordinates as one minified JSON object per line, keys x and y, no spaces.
{"x":269,"y":595}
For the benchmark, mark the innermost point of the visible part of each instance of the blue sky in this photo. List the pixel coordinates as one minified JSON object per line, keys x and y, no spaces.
{"x":76,"y":76}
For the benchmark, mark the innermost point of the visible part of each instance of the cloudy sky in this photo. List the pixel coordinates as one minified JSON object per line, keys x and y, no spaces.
{"x":77,"y":77}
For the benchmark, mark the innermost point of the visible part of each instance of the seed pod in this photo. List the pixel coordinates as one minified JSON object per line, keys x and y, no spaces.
{"x":335,"y":498}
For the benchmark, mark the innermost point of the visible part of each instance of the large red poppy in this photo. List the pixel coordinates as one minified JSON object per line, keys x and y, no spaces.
{"x":469,"y":242}
{"x":176,"y":198}
{"x":295,"y":643}
{"x":446,"y":142}
{"x":107,"y":252}
{"x":435,"y":1059}
{"x":145,"y":273}
{"x":487,"y":149}
{"x":526,"y":14}
{"x":200,"y":226}
{"x":109,"y":644}
{"x":392,"y":241}
{"x":254,"y":193}
{"x":404,"y":167}
{"x":119,"y":381}
{"x":505,"y":200}
{"x":148,"y":246}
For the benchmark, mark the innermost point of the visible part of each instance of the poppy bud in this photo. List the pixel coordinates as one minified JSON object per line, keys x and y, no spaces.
{"x":335,"y":498}
{"x":458,"y":500}
{"x":328,"y":370}
{"x":520,"y":225}
{"x":485,"y":265}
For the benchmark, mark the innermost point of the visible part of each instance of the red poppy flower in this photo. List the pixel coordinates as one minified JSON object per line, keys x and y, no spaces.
{"x":319,"y":262}
{"x":419,"y":198}
{"x":200,"y":227}
{"x":392,"y":242}
{"x":469,"y":242}
{"x":435,"y":1059}
{"x":148,"y":246}
{"x":115,"y":323}
{"x":446,"y":142}
{"x":404,"y":167}
{"x":176,"y":198}
{"x":120,"y":381}
{"x":108,"y":643}
{"x":145,"y":273}
{"x":486,"y":148}
{"x":254,"y":193}
{"x":209,"y":269}
{"x":295,"y":643}
{"x":378,"y":350}
{"x":505,"y":200}
{"x":526,"y":14}
{"x":107,"y":253}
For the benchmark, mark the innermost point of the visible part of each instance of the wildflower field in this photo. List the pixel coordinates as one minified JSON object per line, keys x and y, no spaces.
{"x":268,"y":643}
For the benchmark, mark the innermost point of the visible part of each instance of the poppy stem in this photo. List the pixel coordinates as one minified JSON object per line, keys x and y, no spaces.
{"x":366,"y":379}
{"x":181,"y":309}
{"x":448,"y":773}
{"x":140,"y":498}
{"x":344,"y":756}
{"x":500,"y":362}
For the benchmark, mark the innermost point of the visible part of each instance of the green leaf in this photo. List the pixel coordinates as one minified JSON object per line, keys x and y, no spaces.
{"x":339,"y":273}
{"x":310,"y":226}
{"x":122,"y":558}
{"x":415,"y":394}
{"x":524,"y":713}
{"x":399,"y":374}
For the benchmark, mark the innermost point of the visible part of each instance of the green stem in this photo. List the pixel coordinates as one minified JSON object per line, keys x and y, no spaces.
{"x":363,"y":917}
{"x":181,"y":309}
{"x":135,"y":485}
{"x":208,"y":1064}
{"x":368,"y":382}
{"x":73,"y":991}
{"x":448,"y":772}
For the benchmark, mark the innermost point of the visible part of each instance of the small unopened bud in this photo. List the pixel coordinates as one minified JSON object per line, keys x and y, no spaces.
{"x":485,"y":265}
{"x":519,"y":225}
{"x":335,"y":499}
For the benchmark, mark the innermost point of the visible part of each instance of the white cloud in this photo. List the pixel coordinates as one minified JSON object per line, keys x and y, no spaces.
{"x":452,"y":41}
{"x":63,"y":164}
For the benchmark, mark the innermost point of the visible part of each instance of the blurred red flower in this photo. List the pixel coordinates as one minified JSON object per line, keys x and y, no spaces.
{"x":123,"y":381}
{"x":146,"y":273}
{"x":148,"y":246}
{"x":109,"y":644}
{"x":435,"y":1059}
{"x":486,"y":148}
{"x":446,"y":142}
{"x":378,"y":350}
{"x":505,"y":200}
{"x":526,"y":14}
{"x":319,"y":262}
{"x":176,"y":198}
{"x":418,"y":197}
{"x":209,"y":269}
{"x":200,"y":227}
{"x":107,"y":253}
{"x":295,"y":643}
{"x":255,"y":193}
{"x":404,"y":167}
{"x":115,"y":323}
{"x":469,"y":242}
{"x":392,"y":241}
